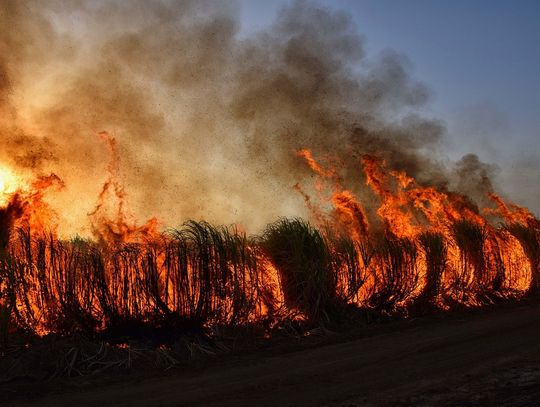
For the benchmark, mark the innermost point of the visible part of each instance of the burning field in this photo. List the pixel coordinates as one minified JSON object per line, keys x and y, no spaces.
{"x":336,"y":197}
{"x":426,"y":248}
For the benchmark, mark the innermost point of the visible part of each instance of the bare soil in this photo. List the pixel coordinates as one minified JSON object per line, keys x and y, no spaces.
{"x":468,"y":359}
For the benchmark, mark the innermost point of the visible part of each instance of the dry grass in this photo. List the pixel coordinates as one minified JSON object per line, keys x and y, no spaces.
{"x":202,"y":276}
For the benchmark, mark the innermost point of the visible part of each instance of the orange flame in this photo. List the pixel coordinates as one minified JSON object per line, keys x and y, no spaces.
{"x":117,"y":229}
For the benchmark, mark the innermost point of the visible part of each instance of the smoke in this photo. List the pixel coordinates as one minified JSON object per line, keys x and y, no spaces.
{"x":207,"y":122}
{"x":474,"y":178}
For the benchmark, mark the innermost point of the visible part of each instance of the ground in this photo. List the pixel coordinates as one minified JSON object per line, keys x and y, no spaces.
{"x":475,"y":358}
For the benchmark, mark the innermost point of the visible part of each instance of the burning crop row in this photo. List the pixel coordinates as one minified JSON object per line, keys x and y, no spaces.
{"x":426,"y":248}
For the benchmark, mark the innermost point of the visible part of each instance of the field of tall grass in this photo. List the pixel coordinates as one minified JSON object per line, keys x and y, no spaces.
{"x":202,"y":275}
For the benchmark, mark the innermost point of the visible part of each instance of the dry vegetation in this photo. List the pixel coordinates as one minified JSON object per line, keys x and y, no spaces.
{"x":201,"y":276}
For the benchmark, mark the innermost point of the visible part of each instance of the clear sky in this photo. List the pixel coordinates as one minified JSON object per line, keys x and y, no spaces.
{"x":480,"y":58}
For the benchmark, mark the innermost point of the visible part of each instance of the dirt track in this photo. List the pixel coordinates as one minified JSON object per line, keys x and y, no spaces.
{"x":491,"y":358}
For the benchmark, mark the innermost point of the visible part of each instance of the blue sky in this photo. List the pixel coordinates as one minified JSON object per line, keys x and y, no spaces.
{"x":480,"y":58}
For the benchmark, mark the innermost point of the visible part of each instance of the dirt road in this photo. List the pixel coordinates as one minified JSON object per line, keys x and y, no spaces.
{"x":490,"y":358}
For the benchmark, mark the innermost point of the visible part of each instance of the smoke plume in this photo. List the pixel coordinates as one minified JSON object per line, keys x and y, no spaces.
{"x":207,"y":122}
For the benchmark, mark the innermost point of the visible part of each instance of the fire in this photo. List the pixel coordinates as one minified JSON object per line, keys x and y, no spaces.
{"x":434,"y":237}
{"x":378,"y":236}
{"x":387,"y":243}
{"x":9,"y":183}
{"x":118,"y":227}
